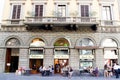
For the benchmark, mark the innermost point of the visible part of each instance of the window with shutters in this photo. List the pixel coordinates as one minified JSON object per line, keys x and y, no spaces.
{"x":38,"y":10}
{"x":84,"y":13}
{"x":16,"y":12}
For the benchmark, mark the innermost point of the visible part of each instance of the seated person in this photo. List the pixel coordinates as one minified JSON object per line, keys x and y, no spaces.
{"x":96,"y":72}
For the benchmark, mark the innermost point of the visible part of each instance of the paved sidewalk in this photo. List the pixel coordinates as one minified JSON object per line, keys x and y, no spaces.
{"x":12,"y":76}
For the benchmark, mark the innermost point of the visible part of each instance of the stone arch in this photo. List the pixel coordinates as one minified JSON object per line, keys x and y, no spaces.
{"x":34,"y":37}
{"x":11,"y":37}
{"x":60,"y":37}
{"x":109,"y":37}
{"x":79,"y":39}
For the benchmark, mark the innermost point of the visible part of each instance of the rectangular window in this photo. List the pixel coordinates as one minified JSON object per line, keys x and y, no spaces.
{"x":36,"y":52}
{"x":106,"y":13}
{"x":61,"y":52}
{"x":84,"y":11}
{"x":61,"y":10}
{"x":86,"y":64}
{"x":86,"y":52}
{"x":86,"y":58}
{"x":38,"y":10}
{"x":16,"y":12}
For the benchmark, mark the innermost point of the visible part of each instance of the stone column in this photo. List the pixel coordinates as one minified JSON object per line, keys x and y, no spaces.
{"x":99,"y":58}
{"x":24,"y":58}
{"x":2,"y":60}
{"x":48,"y":57}
{"x":74,"y":59}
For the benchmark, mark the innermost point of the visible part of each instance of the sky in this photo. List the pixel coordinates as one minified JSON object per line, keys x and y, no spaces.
{"x":1,"y":8}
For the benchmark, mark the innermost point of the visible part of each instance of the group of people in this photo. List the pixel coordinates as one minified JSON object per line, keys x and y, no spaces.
{"x":111,"y":70}
{"x":50,"y":70}
{"x":46,"y":71}
{"x":93,"y":71}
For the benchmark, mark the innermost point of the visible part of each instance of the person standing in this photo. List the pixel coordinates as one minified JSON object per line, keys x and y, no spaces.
{"x":70,"y":71}
{"x":52,"y":70}
{"x":116,"y":67}
{"x":105,"y":70}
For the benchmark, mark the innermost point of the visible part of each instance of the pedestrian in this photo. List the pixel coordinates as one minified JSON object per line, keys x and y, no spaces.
{"x":110,"y":71}
{"x":70,"y":72}
{"x":40,"y":68}
{"x":52,"y":70}
{"x":116,"y":67}
{"x":105,"y":70}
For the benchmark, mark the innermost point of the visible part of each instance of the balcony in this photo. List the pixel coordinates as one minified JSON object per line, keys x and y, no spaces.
{"x":13,"y":22}
{"x":109,"y":26}
{"x":60,"y":21}
{"x":109,"y":23}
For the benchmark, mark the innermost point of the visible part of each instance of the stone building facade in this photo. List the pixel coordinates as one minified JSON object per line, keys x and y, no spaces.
{"x":76,"y":33}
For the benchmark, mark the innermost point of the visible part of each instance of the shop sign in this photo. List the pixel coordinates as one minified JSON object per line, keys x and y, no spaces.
{"x":86,"y":57}
{"x":61,"y":56}
{"x":36,"y":56}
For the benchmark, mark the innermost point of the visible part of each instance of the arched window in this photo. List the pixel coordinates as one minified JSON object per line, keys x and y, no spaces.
{"x":109,"y":43}
{"x":86,"y":42}
{"x":110,"y":51}
{"x":37,"y":43}
{"x":61,"y":42}
{"x":86,"y":52}
{"x":13,"y":42}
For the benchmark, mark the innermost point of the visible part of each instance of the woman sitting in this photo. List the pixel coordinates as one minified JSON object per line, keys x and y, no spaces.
{"x":96,"y":72}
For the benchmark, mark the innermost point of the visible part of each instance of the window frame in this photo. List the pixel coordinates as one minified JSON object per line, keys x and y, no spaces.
{"x":79,"y":8}
{"x":12,"y":7}
{"x":66,"y":10}
{"x":44,"y":8}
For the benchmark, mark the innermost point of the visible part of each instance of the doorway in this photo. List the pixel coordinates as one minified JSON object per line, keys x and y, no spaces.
{"x":12,"y":58}
{"x":59,"y":64}
{"x":35,"y":64}
{"x":14,"y":63}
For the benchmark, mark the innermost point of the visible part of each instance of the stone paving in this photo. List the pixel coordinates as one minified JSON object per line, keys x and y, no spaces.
{"x":12,"y":76}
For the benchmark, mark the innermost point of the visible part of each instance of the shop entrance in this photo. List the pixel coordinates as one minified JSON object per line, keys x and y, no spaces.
{"x":35,"y":64}
{"x":12,"y":58}
{"x":111,"y":57}
{"x":59,"y":64}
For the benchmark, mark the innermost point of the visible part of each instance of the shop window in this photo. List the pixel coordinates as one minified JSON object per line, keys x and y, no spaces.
{"x":61,"y":52}
{"x":85,"y":64}
{"x":36,"y":52}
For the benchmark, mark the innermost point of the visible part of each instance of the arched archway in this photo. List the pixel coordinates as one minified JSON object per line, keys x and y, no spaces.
{"x":110,"y":48}
{"x":86,"y":47}
{"x":12,"y":54}
{"x":36,"y":54}
{"x":61,"y":54}
{"x":61,"y":42}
